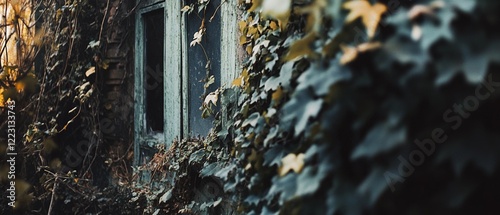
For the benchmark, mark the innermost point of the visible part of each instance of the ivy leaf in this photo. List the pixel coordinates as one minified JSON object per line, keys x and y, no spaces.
{"x":166,"y":196}
{"x":252,"y":199}
{"x":342,"y":197}
{"x":90,"y":71}
{"x":476,"y":146}
{"x":321,"y":78}
{"x":291,"y":162}
{"x":369,"y":14}
{"x":273,"y":156}
{"x":301,"y":47}
{"x":271,"y":135}
{"x":373,"y":185}
{"x":351,"y":53}
{"x":279,"y":10}
{"x":403,"y":50}
{"x":432,"y":32}
{"x":225,"y":171}
{"x":285,"y":187}
{"x":210,"y":170}
{"x":242,"y":80}
{"x":310,"y":179}
{"x":211,"y":98}
{"x":266,"y":211}
{"x":299,"y":109}
{"x":282,"y":80}
{"x":383,"y":137}
{"x":196,"y":156}
{"x":251,"y":120}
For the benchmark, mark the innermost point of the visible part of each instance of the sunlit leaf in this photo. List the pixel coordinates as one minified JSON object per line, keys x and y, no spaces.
{"x":291,"y":162}
{"x":370,"y":14}
{"x":277,"y":9}
{"x":301,"y":47}
{"x":90,"y":71}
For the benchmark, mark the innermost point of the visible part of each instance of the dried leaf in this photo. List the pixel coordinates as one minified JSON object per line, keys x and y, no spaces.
{"x":291,"y":162}
{"x":370,"y":14}
{"x":90,"y":71}
{"x":301,"y":47}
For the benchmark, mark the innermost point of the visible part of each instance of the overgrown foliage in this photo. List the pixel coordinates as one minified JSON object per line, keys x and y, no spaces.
{"x":341,"y":107}
{"x":55,"y":74}
{"x":336,"y":97}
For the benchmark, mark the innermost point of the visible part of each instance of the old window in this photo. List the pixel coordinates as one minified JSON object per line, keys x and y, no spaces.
{"x":169,"y":73}
{"x":153,"y":72}
{"x":149,"y":87}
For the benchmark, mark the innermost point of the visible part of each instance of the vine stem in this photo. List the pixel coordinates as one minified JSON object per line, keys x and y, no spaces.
{"x":53,"y":195}
{"x":103,"y":19}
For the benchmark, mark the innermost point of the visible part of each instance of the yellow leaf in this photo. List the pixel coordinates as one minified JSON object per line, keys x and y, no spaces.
{"x":301,"y":47}
{"x":251,"y":30}
{"x":350,"y":53}
{"x":243,"y":39}
{"x":277,"y":95}
{"x":255,"y":4}
{"x":238,"y":82}
{"x":1,"y":97}
{"x":419,"y":10}
{"x":243,"y":79}
{"x":20,"y":86}
{"x":291,"y":162}
{"x":76,"y":180}
{"x":185,"y":8}
{"x":249,"y":49}
{"x":260,"y":28}
{"x":242,"y":25}
{"x":273,"y":25}
{"x":364,"y":47}
{"x":90,"y":71}
{"x":278,"y":9}
{"x":370,"y":14}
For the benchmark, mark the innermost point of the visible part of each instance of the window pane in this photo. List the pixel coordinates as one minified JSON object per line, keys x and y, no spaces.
{"x":196,"y":64}
{"x":153,"y":79}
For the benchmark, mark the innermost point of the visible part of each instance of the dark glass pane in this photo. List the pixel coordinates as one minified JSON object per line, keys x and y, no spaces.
{"x":196,"y":63}
{"x":153,"y":79}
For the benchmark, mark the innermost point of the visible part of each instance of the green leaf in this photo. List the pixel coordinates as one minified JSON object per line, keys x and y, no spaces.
{"x":382,"y":137}
{"x":321,"y":78}
{"x":300,"y":109}
{"x":251,"y":120}
{"x":282,"y":80}
{"x":374,"y":185}
{"x":210,"y":170}
{"x":283,"y":187}
{"x":196,"y":156}
{"x":166,"y":196}
{"x":432,"y":32}
{"x":274,"y":155}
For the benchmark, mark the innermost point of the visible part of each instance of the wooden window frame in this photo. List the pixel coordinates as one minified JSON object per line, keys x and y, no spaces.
{"x":176,"y":101}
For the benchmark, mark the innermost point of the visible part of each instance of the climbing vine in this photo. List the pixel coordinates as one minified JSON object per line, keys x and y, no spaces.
{"x":334,"y":93}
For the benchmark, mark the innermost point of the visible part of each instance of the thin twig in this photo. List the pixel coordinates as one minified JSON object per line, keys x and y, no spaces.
{"x":53,"y":195}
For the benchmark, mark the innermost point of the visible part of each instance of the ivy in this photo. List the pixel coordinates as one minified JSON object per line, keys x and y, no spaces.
{"x":333,"y":95}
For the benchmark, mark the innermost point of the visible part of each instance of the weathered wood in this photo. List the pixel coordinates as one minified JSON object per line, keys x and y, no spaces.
{"x":173,"y":71}
{"x":185,"y":77}
{"x":138,"y":87}
{"x":229,"y":45}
